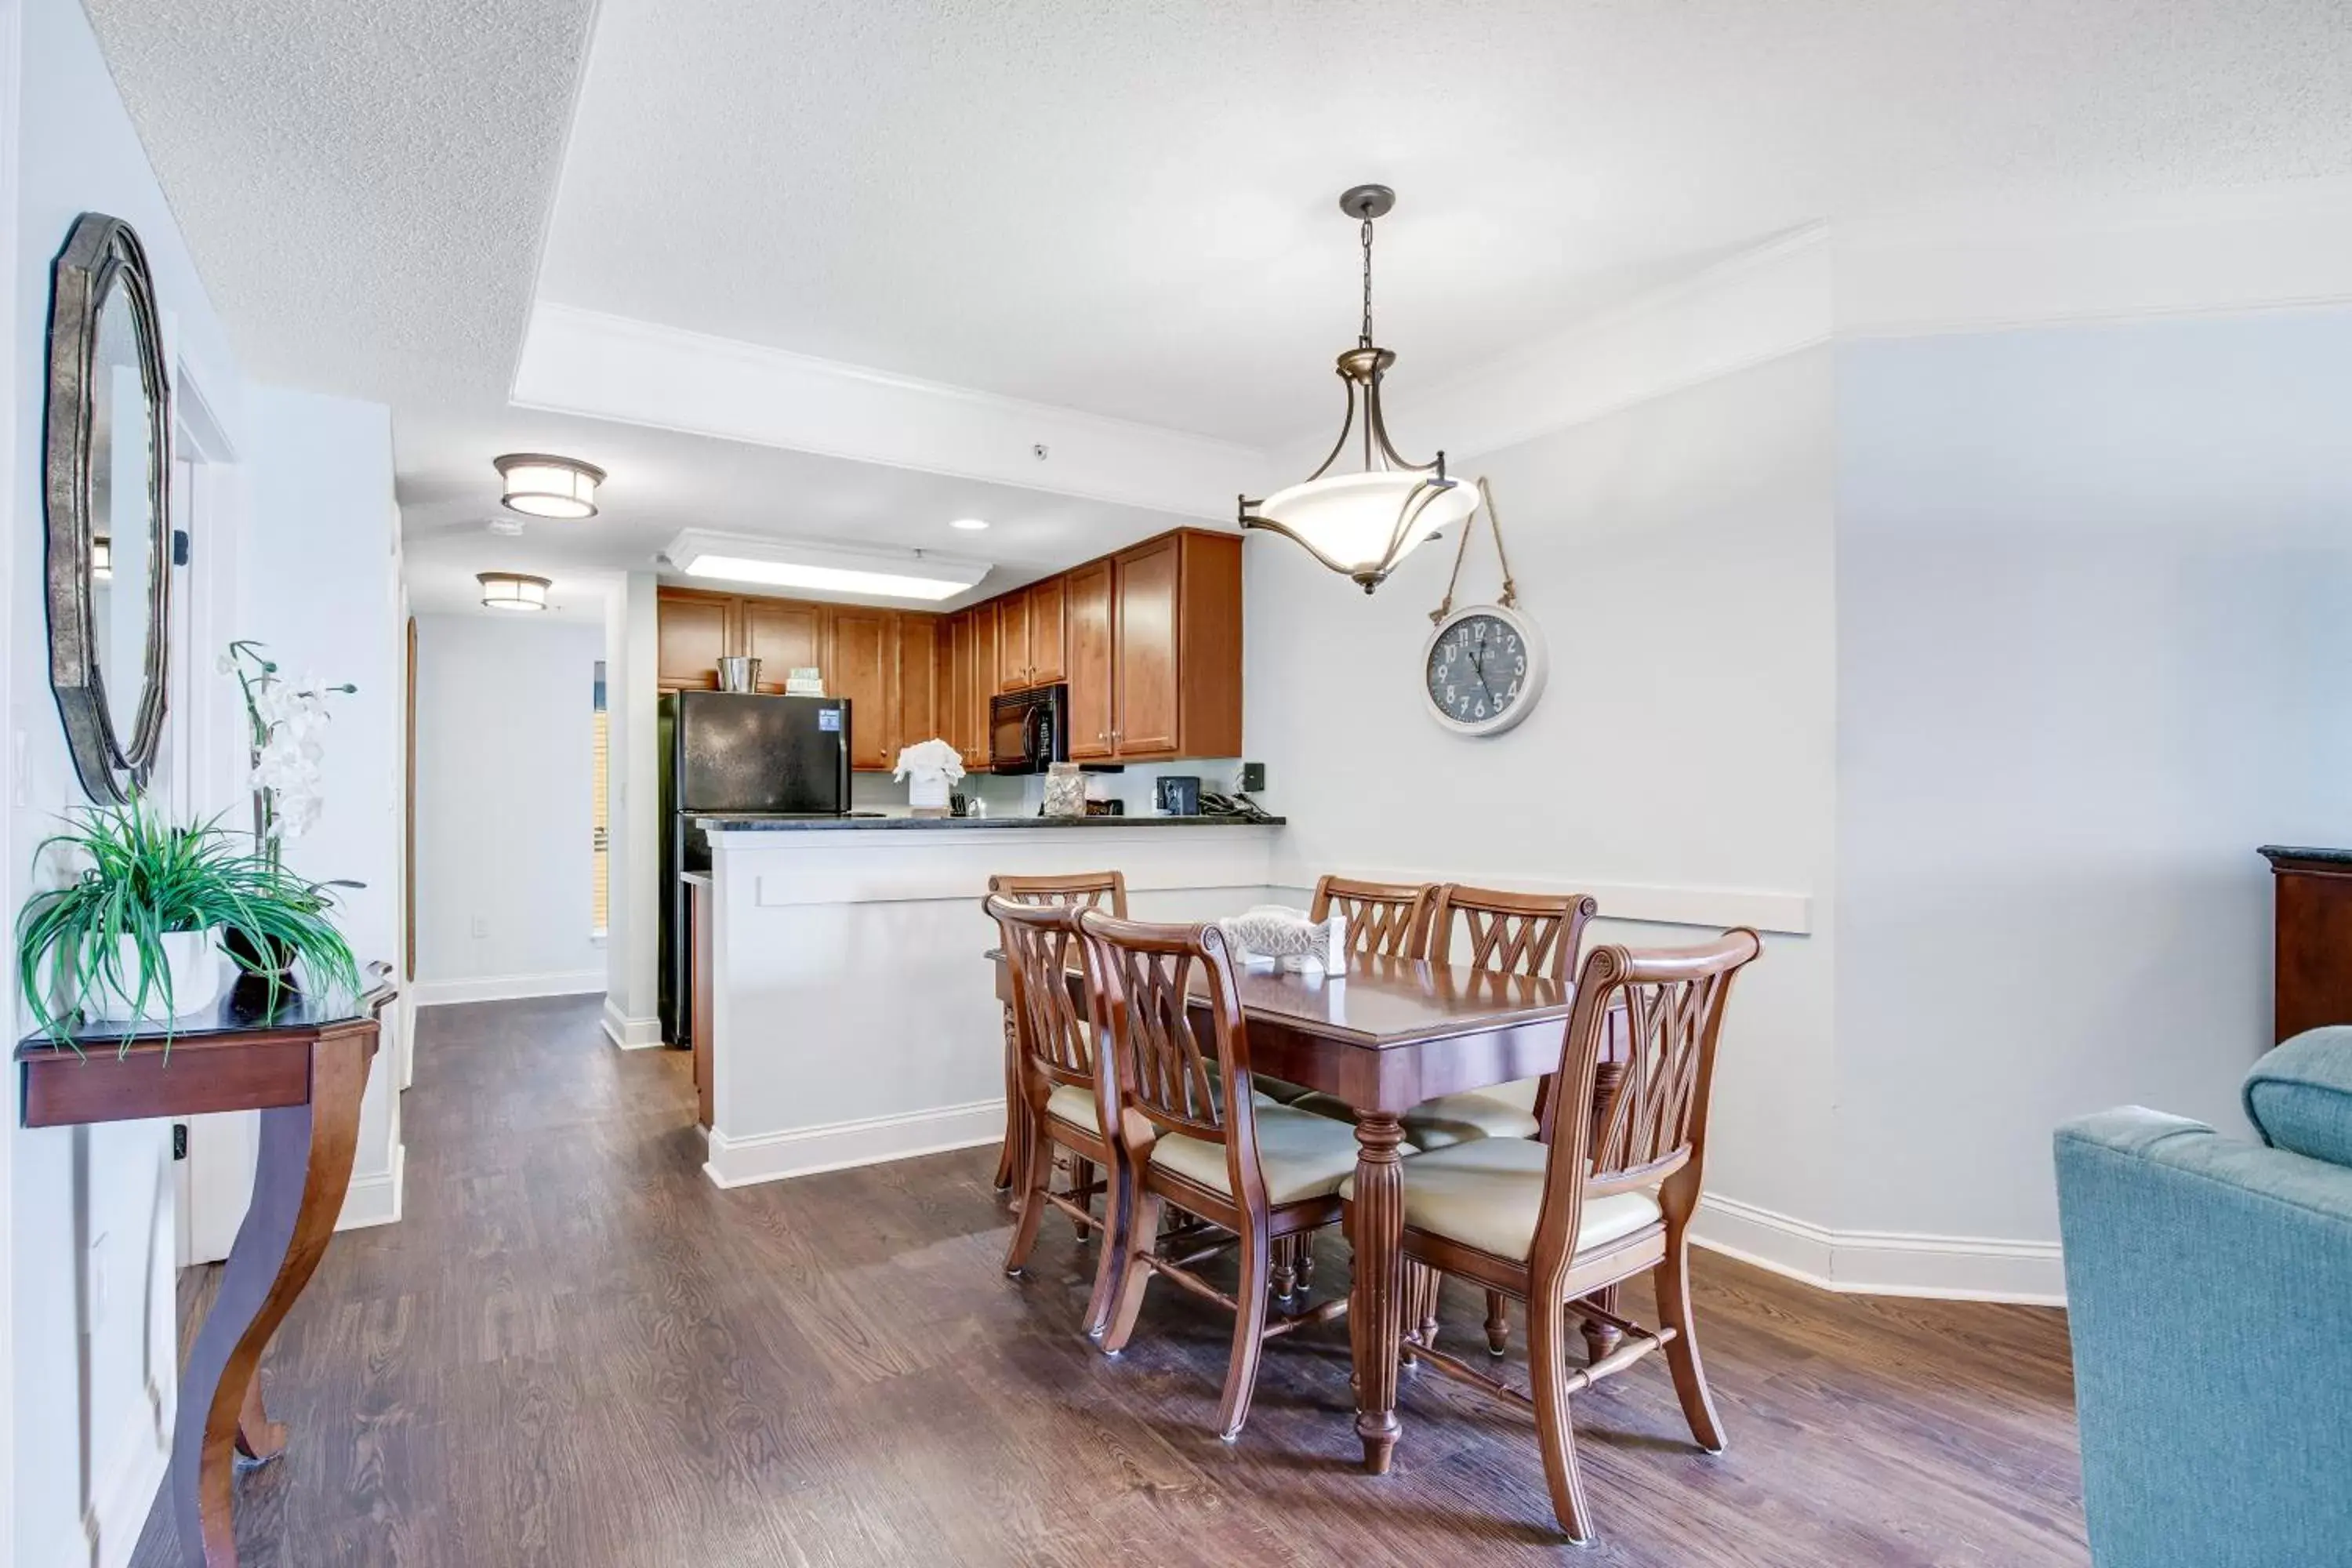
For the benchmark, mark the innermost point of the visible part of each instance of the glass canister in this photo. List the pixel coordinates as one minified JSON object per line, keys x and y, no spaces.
{"x":1065,"y":791}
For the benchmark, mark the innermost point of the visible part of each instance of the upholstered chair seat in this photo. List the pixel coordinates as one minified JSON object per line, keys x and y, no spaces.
{"x":1303,"y":1156}
{"x":1073,"y":1105}
{"x":1487,"y":1192}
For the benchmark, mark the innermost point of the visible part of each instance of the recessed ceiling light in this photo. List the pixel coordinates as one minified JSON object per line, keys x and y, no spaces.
{"x":512,"y":591}
{"x":969,"y":524}
{"x":539,"y":485}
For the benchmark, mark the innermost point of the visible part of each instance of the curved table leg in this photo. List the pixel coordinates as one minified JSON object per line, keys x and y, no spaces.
{"x":298,"y":1190}
{"x":1375,"y":1300}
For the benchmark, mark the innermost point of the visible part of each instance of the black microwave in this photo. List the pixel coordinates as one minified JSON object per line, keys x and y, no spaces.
{"x":1028,"y":731}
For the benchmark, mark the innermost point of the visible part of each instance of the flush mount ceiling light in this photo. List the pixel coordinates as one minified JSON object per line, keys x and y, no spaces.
{"x":969,"y":524}
{"x":512,"y":591}
{"x":1362,"y":524}
{"x":537,"y":485}
{"x":788,"y":564}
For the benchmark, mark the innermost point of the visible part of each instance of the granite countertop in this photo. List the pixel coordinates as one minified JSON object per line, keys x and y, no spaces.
{"x":2274,"y":853}
{"x":752,"y":822}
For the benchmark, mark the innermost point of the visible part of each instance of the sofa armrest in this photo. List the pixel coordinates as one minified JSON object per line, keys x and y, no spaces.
{"x":2209,"y":1286}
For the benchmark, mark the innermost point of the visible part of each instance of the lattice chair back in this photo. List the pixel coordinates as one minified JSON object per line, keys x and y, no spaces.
{"x":1085,"y":889}
{"x":1177,"y":1040}
{"x":1050,"y":1019}
{"x":1500,"y":933}
{"x":1385,"y":920}
{"x":1653,"y":1133}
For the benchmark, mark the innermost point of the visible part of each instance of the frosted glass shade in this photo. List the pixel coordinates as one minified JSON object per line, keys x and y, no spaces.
{"x":512,"y":591}
{"x":540,"y":486}
{"x":1350,"y":518}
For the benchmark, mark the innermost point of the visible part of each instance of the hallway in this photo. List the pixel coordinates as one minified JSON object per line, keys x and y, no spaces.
{"x":575,"y":1351}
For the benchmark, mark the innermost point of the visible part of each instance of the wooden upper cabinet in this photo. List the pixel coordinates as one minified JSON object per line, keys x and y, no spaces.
{"x":1087,"y":600}
{"x":860,"y":664}
{"x":1176,"y":648}
{"x":981,"y":684}
{"x":1012,"y":642}
{"x":920,"y":713}
{"x":783,"y":636}
{"x":1144,"y":697}
{"x":1049,"y":613}
{"x":694,"y":631}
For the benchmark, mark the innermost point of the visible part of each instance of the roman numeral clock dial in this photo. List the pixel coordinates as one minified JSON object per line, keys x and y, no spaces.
{"x":1483,"y":669}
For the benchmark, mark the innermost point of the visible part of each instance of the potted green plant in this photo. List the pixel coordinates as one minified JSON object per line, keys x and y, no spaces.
{"x":134,"y":936}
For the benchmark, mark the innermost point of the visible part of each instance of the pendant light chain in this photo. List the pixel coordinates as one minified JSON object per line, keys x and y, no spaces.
{"x":1366,"y":339}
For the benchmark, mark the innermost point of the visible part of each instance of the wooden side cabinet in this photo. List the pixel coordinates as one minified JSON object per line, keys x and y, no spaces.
{"x":1048,"y":603}
{"x":2311,"y":941}
{"x":861,"y":663}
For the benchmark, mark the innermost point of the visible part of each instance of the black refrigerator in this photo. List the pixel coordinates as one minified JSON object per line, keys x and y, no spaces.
{"x":735,"y":755}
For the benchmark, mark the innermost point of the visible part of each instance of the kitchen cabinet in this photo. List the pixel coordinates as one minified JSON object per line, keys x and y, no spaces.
{"x":1011,"y":642}
{"x":694,"y":631}
{"x":983,"y":678}
{"x":1086,"y":599}
{"x":783,"y":636}
{"x":917,"y":709}
{"x":1176,"y":648}
{"x":861,"y":664}
{"x":955,"y":684}
{"x":1048,"y":616}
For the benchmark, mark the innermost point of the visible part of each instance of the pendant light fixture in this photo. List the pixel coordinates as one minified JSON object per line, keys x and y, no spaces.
{"x":537,"y":485}
{"x":512,"y":591}
{"x":1363,"y":523}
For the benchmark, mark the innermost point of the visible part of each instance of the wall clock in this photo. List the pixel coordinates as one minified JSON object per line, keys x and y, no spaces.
{"x":1482,"y":669}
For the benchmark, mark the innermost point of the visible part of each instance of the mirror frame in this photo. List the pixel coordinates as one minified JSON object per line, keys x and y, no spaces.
{"x":102,"y":253}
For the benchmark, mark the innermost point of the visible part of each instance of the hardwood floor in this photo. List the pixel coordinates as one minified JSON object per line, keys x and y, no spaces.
{"x":575,"y":1351}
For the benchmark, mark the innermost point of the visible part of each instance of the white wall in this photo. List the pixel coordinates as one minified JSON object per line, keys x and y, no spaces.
{"x":1677,"y":557}
{"x":632,"y":643}
{"x":90,"y":1412}
{"x":2094,"y":649}
{"x":504,"y":807}
{"x":321,"y":591}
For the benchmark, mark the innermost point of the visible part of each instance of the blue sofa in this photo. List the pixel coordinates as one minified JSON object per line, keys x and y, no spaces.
{"x":2209,"y":1289}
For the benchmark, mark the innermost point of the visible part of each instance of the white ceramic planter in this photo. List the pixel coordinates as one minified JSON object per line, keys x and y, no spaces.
{"x":194,"y":957}
{"x":928,"y":789}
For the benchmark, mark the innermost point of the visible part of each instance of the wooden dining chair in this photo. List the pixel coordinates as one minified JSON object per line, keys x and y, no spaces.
{"x":1067,"y":1106}
{"x":1385,"y":920}
{"x":1085,"y":889}
{"x":1253,"y":1171}
{"x":1494,"y":932}
{"x":1550,"y":1225}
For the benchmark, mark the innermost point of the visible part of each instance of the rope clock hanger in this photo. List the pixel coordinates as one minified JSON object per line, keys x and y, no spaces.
{"x":1483,"y":666}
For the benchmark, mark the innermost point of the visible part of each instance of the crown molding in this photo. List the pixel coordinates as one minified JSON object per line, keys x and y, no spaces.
{"x":611,"y":367}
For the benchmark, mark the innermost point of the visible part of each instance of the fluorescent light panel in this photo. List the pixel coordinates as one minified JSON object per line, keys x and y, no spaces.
{"x":785,"y":563}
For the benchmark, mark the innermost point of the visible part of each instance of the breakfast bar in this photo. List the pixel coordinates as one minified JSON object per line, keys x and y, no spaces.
{"x":848,"y":1020}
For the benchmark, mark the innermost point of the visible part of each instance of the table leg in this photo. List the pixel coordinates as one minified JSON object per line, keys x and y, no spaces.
{"x":299,"y":1184}
{"x":1375,"y":1301}
{"x":258,"y":1436}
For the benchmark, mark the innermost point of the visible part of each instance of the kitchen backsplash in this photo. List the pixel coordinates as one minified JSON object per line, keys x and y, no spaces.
{"x":1021,"y":795}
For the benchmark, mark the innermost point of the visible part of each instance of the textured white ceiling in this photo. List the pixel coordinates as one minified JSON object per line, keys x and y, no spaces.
{"x":1126,"y":210}
{"x":1129,"y":208}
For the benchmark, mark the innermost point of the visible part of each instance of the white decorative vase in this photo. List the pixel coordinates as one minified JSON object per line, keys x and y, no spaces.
{"x":927,"y":789}
{"x":193,"y":960}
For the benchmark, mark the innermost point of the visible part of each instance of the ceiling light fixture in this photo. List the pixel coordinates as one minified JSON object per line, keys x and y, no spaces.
{"x":512,"y":591}
{"x":969,"y":524}
{"x":790,"y":564}
{"x":537,"y":485}
{"x":1362,"y":524}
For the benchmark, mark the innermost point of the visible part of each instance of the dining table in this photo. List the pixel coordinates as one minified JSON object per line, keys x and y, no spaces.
{"x":1382,"y":1037}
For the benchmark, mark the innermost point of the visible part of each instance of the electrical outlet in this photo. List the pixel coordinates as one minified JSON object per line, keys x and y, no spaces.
{"x":482,"y":925}
{"x":1253,"y":777}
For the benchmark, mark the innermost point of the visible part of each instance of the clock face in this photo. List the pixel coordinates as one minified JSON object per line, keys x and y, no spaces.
{"x":1483,"y":671}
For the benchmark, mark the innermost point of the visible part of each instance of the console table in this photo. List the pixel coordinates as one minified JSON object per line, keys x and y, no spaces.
{"x":2312,"y":938}
{"x":304,"y":1066}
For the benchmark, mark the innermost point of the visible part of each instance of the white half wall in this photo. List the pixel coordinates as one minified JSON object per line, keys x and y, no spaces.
{"x":1677,"y":556}
{"x":505,"y":787}
{"x":2092,"y":649}
{"x":633,"y":950}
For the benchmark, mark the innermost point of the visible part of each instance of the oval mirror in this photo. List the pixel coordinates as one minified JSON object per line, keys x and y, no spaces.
{"x":109,"y":533}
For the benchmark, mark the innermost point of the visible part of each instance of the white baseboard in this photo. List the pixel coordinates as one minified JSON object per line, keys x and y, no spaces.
{"x":806,"y":1151}
{"x":123,"y":1493}
{"x":630,"y":1034}
{"x":1884,"y":1263}
{"x":508,"y":987}
{"x":375,"y":1200}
